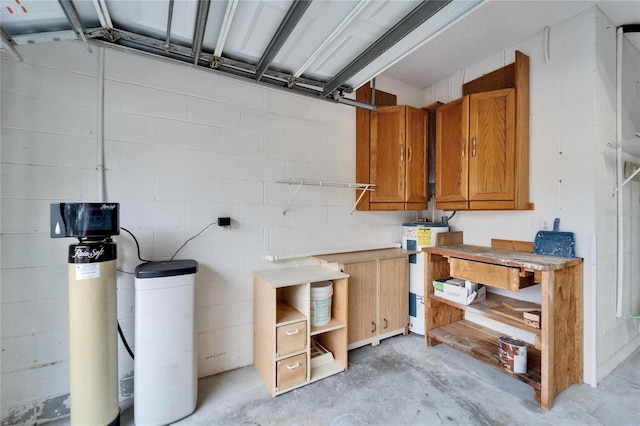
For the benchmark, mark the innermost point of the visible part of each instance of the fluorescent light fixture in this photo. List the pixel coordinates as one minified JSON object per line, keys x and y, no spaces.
{"x":5,"y":41}
{"x":34,"y":38}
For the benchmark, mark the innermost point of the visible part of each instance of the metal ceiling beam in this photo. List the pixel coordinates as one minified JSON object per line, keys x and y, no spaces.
{"x":409,"y":23}
{"x":73,"y":18}
{"x":287,"y":25}
{"x":169,"y":21}
{"x":146,"y":44}
{"x":201,"y":22}
{"x":7,"y":45}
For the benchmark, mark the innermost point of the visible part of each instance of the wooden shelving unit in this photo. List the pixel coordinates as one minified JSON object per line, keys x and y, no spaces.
{"x":480,"y":343}
{"x":555,"y":361}
{"x":484,"y":308}
{"x":283,"y":335}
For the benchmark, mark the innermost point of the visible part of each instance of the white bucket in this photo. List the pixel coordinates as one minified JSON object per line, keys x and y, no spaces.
{"x":513,"y":354}
{"x":321,"y":293}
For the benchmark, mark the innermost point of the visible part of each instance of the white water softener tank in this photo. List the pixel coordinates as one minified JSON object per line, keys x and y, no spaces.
{"x":166,"y":376}
{"x":414,"y":237}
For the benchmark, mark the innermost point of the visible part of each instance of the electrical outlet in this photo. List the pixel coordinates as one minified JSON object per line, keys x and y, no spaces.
{"x":224,"y":221}
{"x":546,"y":224}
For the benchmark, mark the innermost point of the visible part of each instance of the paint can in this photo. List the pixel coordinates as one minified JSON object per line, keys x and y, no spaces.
{"x":513,"y":354}
{"x":320,"y":311}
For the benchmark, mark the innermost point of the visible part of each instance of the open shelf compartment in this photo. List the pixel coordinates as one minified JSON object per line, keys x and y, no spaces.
{"x":482,"y":344}
{"x":484,"y":307}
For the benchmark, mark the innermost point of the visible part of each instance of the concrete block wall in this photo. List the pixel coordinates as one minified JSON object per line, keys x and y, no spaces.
{"x":182,"y":148}
{"x":572,"y":169}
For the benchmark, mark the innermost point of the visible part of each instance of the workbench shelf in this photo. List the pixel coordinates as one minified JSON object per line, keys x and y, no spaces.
{"x":480,"y":343}
{"x":483,"y":308}
{"x":555,"y":361}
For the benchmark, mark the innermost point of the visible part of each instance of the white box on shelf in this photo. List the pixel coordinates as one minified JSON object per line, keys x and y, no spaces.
{"x":459,"y":291}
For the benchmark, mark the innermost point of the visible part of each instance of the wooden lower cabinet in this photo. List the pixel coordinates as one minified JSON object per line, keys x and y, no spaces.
{"x":378,"y":293}
{"x":288,"y":351}
{"x":393,"y":295}
{"x":362,"y":293}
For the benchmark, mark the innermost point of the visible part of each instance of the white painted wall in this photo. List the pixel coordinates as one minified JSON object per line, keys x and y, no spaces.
{"x":406,"y":94}
{"x":572,"y":170}
{"x":183,"y":147}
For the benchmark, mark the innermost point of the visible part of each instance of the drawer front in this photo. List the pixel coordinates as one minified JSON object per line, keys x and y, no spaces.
{"x":485,"y":273}
{"x":291,"y":338}
{"x":291,"y":371}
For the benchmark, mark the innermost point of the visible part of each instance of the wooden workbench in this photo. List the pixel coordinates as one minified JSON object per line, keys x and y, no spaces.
{"x":556,"y":360}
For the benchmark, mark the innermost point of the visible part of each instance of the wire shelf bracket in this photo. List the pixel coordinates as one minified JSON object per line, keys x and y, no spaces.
{"x":308,"y":182}
{"x":630,"y":146}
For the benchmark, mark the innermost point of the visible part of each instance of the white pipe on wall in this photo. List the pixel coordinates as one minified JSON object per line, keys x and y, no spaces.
{"x":100,"y":126}
{"x":619,"y":177}
{"x":593,"y":315}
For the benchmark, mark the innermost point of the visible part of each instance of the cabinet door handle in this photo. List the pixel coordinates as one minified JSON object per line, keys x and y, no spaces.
{"x":463,"y":142}
{"x":291,"y":333}
{"x":291,"y":367}
{"x":402,"y":153}
{"x":373,"y":324}
{"x":386,"y":324}
{"x":474,"y":142}
{"x":409,"y":154}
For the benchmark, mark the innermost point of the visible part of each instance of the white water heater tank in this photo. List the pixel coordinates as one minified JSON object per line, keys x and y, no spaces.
{"x":414,"y":237}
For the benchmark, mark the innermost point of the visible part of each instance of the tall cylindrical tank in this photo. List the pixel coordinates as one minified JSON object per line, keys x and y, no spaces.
{"x":415,"y":236}
{"x":166,"y":377}
{"x":93,"y":334}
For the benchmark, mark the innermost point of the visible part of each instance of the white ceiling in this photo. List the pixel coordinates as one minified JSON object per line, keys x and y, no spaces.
{"x":326,"y":46}
{"x":494,"y":25}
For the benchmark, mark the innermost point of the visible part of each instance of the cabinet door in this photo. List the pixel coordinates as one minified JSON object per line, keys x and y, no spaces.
{"x":492,"y":146}
{"x":388,"y":154}
{"x":416,"y":173}
{"x":452,"y":125}
{"x":362,"y":300}
{"x":393,"y":298}
{"x":363,"y":138}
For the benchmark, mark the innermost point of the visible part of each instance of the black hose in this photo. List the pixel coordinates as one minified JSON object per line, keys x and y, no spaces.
{"x":124,"y":341}
{"x":137,"y":245}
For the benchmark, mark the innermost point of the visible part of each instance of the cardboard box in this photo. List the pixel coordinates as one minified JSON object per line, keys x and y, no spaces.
{"x":460,"y":291}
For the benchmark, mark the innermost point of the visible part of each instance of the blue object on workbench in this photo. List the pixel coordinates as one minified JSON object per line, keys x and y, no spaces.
{"x":555,"y":243}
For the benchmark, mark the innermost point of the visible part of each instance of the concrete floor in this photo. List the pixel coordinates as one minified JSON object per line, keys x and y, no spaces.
{"x":402,"y":382}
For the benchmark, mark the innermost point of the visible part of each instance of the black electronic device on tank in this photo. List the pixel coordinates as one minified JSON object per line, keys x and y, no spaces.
{"x":84,"y":220}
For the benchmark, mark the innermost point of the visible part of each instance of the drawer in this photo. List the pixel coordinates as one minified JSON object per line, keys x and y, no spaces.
{"x":491,"y":275}
{"x":291,"y":338}
{"x":291,"y":371}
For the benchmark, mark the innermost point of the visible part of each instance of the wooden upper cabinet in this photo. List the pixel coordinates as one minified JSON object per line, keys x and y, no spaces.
{"x":417,"y":158}
{"x":452,"y":124}
{"x":363,"y":128}
{"x":398,"y":158}
{"x":491,"y":146}
{"x":482,"y":143}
